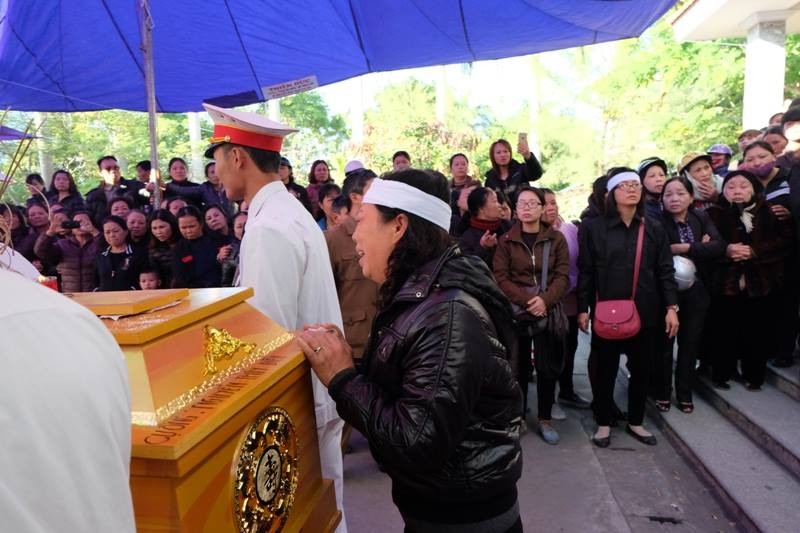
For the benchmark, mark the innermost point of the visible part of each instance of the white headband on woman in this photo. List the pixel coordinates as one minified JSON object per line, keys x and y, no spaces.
{"x":619,"y":178}
{"x":398,"y":195}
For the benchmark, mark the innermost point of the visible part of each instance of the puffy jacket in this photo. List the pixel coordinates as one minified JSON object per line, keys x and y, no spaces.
{"x":514,"y":269}
{"x":75,"y":263}
{"x":437,"y":396}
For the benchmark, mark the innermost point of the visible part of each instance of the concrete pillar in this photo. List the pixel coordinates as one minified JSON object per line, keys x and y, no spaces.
{"x":195,"y":143}
{"x":765,"y":65}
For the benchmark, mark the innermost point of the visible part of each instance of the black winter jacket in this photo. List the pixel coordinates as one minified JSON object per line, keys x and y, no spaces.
{"x":518,"y":175}
{"x":97,"y":202}
{"x":606,"y":261}
{"x":437,"y":396}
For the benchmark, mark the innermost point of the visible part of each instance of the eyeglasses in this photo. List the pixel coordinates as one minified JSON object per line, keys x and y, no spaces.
{"x":529,"y":205}
{"x":630,"y":185}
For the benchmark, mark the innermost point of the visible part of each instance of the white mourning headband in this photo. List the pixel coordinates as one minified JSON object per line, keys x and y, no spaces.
{"x":619,"y":178}
{"x":398,"y":195}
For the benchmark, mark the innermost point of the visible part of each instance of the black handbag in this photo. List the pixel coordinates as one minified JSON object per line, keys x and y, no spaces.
{"x":527,"y":324}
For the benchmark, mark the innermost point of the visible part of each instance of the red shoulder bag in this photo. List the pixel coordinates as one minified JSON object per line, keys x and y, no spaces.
{"x":619,"y":319}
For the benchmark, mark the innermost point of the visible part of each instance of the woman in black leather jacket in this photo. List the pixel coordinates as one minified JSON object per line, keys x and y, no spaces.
{"x":436,"y":395}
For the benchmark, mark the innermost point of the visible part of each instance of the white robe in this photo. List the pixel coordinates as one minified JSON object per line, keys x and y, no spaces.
{"x":284,"y":258}
{"x":65,"y":415}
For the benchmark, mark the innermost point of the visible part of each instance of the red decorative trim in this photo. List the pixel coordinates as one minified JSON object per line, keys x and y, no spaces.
{"x":246,"y":138}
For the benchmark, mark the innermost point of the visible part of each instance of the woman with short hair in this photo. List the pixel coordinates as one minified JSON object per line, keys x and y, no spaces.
{"x":119,"y":265}
{"x":483,"y":224}
{"x":195,"y":262}
{"x":436,"y":396}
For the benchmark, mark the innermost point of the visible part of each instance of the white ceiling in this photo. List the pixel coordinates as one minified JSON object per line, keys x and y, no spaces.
{"x":703,"y":20}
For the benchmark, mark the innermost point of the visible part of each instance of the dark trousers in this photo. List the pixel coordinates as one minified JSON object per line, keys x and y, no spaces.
{"x":545,"y":385}
{"x":744,"y":331}
{"x":641,"y":352}
{"x":693,"y":305}
{"x":565,"y":381}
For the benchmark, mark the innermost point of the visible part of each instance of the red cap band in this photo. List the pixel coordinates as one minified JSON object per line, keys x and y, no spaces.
{"x":246,"y":138}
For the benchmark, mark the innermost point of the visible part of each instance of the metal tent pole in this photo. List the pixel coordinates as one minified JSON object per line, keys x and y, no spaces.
{"x":150,"y":86}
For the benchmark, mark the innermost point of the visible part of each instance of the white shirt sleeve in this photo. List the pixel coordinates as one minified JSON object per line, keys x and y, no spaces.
{"x":274,"y":266}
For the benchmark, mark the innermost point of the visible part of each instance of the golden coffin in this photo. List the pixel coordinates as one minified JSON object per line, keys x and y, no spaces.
{"x":223,"y":428}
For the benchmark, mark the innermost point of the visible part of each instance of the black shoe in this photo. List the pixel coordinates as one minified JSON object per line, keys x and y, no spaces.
{"x":573,"y":399}
{"x":602,"y":443}
{"x":783,"y":363}
{"x":649,"y":440}
{"x":723,"y":385}
{"x":752,"y":387}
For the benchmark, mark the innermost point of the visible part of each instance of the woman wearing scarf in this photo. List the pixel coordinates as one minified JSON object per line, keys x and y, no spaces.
{"x":435,"y":395}
{"x":760,"y":159}
{"x":749,"y":280}
{"x":483,"y":224}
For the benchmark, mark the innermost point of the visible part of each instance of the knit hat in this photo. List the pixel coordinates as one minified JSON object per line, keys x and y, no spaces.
{"x":746,"y":174}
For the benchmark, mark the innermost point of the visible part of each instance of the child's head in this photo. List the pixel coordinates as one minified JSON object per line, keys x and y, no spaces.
{"x":149,"y":279}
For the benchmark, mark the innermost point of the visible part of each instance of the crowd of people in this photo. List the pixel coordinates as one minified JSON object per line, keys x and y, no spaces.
{"x":453,"y":292}
{"x":718,"y":256}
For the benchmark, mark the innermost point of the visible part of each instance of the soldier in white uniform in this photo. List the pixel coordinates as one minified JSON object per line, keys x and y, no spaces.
{"x":65,"y":415}
{"x":283,"y":255}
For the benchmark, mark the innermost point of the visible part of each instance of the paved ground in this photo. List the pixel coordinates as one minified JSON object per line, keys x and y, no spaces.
{"x":572,"y":487}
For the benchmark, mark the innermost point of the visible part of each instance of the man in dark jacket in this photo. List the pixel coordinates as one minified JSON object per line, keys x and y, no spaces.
{"x":112,"y":185}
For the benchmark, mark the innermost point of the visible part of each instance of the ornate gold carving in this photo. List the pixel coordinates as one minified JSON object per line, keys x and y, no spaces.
{"x":220,"y":344}
{"x":265,"y":473}
{"x":189,"y":397}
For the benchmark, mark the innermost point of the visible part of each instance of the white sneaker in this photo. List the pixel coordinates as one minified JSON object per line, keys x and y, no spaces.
{"x":557,"y":413}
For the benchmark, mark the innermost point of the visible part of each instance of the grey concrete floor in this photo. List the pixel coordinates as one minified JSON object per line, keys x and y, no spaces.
{"x":571,"y":487}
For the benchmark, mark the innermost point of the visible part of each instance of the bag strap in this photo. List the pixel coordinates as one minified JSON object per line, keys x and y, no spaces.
{"x":545,"y":264}
{"x":638,"y":262}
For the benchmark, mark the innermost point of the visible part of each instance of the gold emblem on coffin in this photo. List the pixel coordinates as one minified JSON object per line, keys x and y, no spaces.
{"x":265,"y":473}
{"x":222,"y":345}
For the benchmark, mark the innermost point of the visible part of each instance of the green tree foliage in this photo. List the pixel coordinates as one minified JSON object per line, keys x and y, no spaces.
{"x":321,"y":135}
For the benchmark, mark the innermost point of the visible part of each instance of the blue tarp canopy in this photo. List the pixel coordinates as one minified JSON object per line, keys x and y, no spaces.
{"x":81,"y":55}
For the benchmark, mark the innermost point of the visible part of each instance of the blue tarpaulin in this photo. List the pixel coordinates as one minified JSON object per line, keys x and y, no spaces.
{"x":81,"y":55}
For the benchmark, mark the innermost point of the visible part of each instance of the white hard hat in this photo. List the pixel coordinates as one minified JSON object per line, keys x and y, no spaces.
{"x":685,"y":272}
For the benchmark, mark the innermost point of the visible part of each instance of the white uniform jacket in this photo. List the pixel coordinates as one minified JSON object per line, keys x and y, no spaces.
{"x":284,"y":257}
{"x":65,"y":415}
